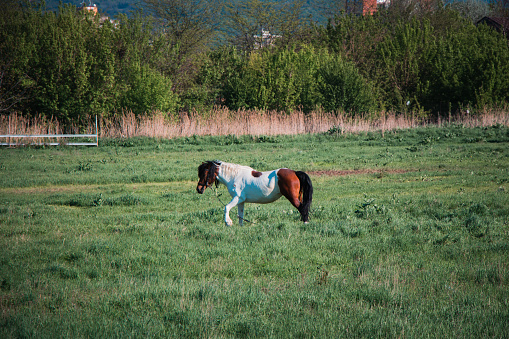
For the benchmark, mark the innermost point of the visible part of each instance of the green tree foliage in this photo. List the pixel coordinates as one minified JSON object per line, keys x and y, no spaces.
{"x":404,"y":59}
{"x":300,"y":77}
{"x":189,"y":27}
{"x":148,"y":90}
{"x":410,"y":56}
{"x":65,"y":62}
{"x":440,"y":72}
{"x":342,"y":88}
{"x":276,"y":79}
{"x":245,"y":22}
{"x":435,"y":62}
{"x":470,"y":68}
{"x":143,"y":56}
{"x":221,"y":66}
{"x":72,"y":65}
{"x":356,"y":39}
{"x":14,"y":51}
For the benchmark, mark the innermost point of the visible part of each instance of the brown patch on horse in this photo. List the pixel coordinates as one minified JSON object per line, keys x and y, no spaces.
{"x":289,"y":185}
{"x":256,"y":174}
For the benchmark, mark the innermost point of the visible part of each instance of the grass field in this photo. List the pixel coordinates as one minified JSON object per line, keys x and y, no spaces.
{"x":408,"y":237}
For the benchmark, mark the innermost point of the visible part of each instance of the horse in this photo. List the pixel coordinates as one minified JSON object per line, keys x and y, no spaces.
{"x":248,"y":185}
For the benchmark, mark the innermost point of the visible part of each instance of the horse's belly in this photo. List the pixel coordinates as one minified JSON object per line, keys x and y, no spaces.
{"x":262,"y":198}
{"x":264,"y":189}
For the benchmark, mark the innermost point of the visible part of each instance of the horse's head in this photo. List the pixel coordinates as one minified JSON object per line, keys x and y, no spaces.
{"x":207,"y":172}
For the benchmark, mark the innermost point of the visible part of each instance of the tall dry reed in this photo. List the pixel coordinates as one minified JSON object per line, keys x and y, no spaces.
{"x":222,"y":121}
{"x":17,"y":129}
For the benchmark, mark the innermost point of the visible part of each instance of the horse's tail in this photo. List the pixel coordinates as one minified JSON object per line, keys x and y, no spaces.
{"x":306,"y":190}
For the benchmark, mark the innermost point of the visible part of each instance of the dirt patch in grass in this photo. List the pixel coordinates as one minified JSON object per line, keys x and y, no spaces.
{"x":337,"y":173}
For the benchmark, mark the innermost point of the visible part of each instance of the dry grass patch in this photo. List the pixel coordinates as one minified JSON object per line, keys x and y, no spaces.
{"x":222,"y":121}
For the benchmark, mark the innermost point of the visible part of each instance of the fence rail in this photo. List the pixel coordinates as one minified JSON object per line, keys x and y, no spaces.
{"x":20,"y":137}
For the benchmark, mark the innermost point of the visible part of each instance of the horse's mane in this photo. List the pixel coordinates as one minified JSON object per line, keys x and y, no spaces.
{"x":230,"y":170}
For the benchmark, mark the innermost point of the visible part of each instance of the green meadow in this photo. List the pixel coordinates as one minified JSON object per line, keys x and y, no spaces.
{"x":408,"y":237}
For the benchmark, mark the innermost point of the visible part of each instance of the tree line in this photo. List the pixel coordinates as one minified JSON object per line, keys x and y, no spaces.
{"x":181,"y":55}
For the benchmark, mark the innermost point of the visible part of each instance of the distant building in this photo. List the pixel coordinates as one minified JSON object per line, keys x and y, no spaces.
{"x":382,"y":3}
{"x":264,"y":40}
{"x":364,"y":7}
{"x":89,"y":8}
{"x":368,"y":7}
{"x":93,"y":9}
{"x":500,"y":24}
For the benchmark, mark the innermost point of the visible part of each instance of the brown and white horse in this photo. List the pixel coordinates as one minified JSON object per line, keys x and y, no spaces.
{"x":247,"y":185}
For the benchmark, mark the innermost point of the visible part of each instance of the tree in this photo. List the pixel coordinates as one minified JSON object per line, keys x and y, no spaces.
{"x":405,"y":58}
{"x":465,"y":72}
{"x":247,"y":20}
{"x":342,"y":87}
{"x":14,"y":79}
{"x":189,"y":28}
{"x":148,"y":90}
{"x":70,"y":65}
{"x":500,"y":8}
{"x":190,"y":24}
{"x":472,"y":10}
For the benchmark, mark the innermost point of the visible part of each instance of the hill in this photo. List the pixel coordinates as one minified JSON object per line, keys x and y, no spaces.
{"x":108,"y":7}
{"x":114,"y":7}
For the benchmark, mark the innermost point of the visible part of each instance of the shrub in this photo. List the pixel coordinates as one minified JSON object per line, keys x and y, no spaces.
{"x":148,"y":91}
{"x":342,"y":88}
{"x":275,"y":79}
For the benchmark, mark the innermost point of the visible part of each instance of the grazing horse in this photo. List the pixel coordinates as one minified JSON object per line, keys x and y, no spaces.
{"x":247,"y":185}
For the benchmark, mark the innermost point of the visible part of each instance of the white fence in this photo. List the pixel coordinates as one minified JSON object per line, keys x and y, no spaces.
{"x":17,"y":139}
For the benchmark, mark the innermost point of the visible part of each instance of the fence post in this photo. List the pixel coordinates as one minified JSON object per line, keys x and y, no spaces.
{"x":96,"y":133}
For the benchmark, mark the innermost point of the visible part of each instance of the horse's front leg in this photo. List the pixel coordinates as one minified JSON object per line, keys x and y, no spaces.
{"x":235,"y":201}
{"x":241,"y":213}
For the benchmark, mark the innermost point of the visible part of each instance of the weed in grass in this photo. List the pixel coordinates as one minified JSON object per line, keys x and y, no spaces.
{"x":476,"y":226}
{"x":368,"y":209}
{"x":374,"y":296}
{"x":84,"y":166}
{"x":62,"y":272}
{"x":323,"y":276}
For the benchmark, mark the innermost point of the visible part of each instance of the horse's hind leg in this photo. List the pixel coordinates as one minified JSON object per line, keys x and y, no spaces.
{"x":303,"y":213}
{"x":296,"y":203}
{"x":241,"y":213}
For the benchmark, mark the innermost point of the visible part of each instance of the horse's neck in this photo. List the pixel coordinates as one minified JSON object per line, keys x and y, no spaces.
{"x":227,"y":171}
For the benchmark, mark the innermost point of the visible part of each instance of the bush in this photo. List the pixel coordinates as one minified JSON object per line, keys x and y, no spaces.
{"x":275,"y":79}
{"x":435,"y":63}
{"x":148,"y":90}
{"x":71,"y":66}
{"x":342,"y":88}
